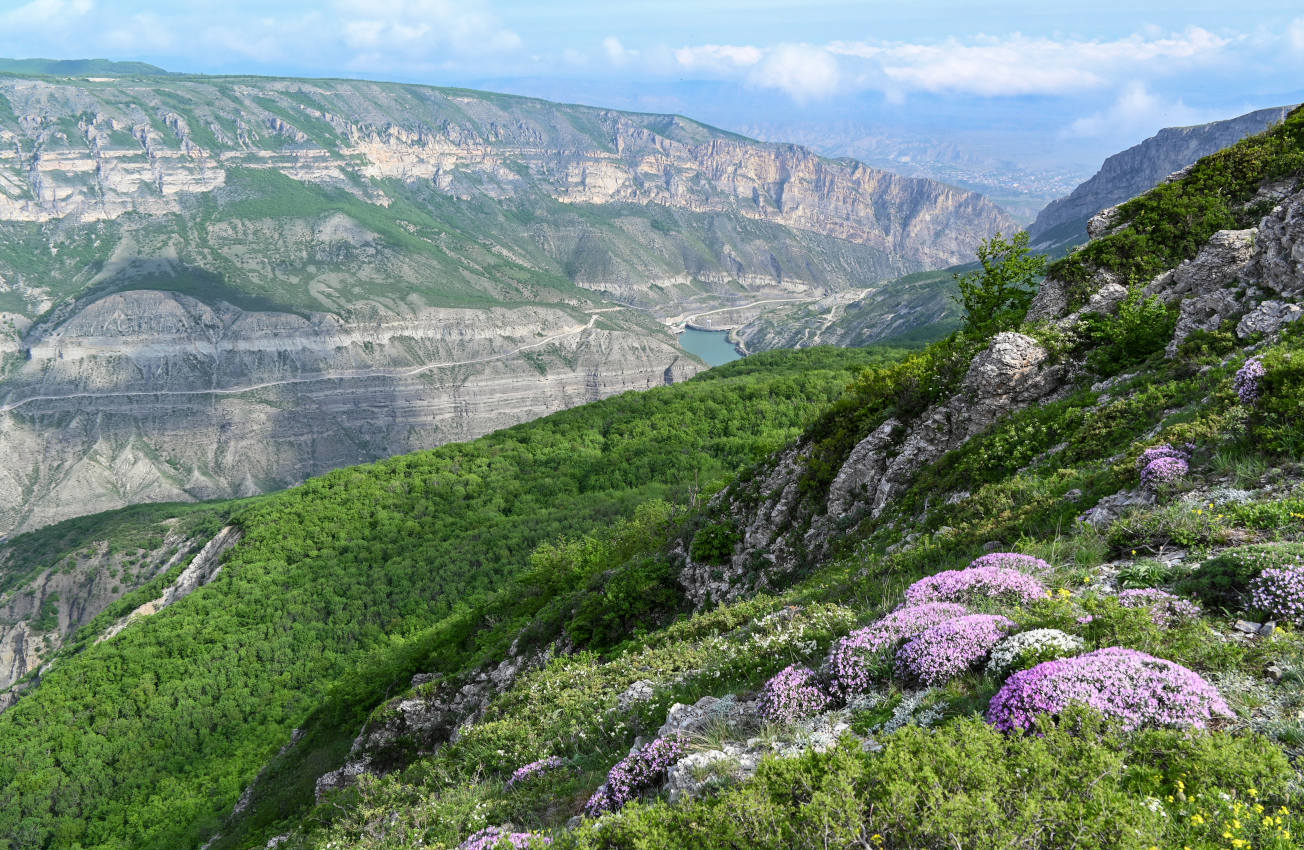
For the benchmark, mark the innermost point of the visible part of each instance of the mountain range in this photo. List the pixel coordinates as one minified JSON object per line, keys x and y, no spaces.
{"x":216,"y":286}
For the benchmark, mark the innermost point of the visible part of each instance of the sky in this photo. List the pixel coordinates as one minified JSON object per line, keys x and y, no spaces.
{"x":1059,"y":83}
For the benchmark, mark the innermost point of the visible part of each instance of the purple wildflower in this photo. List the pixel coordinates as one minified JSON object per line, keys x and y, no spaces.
{"x":533,"y":769}
{"x":1011,"y":561}
{"x":1161,"y":451}
{"x":1247,"y":378}
{"x":1165,"y":609}
{"x":849,"y":664}
{"x":791,"y":694}
{"x":1136,"y":688}
{"x":1163,"y":471}
{"x":640,"y":771}
{"x":493,"y":837}
{"x":975,"y":583}
{"x":1279,"y":591}
{"x":949,"y":649}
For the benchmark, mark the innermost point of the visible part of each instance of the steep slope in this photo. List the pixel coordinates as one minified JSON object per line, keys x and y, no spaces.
{"x":1040,"y":440}
{"x":213,"y":287}
{"x":1063,"y":223}
{"x":341,"y":588}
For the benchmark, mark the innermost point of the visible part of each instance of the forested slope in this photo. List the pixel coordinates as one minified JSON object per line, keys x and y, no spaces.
{"x":146,"y":740}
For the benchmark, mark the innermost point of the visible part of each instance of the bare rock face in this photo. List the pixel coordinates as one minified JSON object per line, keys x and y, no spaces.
{"x":1279,"y":261}
{"x":1015,"y":371}
{"x":420,"y":721}
{"x":39,"y":616}
{"x":1210,"y":288}
{"x":1161,"y":158}
{"x":154,"y":396}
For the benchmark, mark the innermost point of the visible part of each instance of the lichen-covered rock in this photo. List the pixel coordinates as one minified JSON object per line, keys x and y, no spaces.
{"x":1268,"y":318}
{"x":1110,"y":508}
{"x":1279,"y":264}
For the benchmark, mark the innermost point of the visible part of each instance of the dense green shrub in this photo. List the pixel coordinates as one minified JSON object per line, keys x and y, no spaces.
{"x":1078,"y":784}
{"x":714,"y":543}
{"x":1223,"y":580}
{"x":1141,"y":327}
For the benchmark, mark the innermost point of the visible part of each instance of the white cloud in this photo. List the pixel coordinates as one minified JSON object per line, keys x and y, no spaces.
{"x":386,"y":35}
{"x":617,"y":53}
{"x":718,"y":57}
{"x":983,"y":65}
{"x":1295,"y":35}
{"x":803,"y":71}
{"x":145,"y":31}
{"x":45,"y":14}
{"x":1137,"y":113}
{"x":1019,"y":65}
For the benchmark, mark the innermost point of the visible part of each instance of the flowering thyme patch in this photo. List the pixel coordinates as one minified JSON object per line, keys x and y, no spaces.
{"x":1136,"y":688}
{"x":533,"y":769}
{"x":493,"y":837}
{"x":635,"y":774}
{"x":1246,"y":382}
{"x":942,"y":652}
{"x":1279,"y":591}
{"x":850,"y":664}
{"x":976,"y":583}
{"x":793,"y":693}
{"x":1166,"y":609}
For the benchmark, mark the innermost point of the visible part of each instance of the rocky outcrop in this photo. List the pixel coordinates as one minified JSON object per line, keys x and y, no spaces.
{"x":428,"y":716}
{"x":1138,"y":169}
{"x":1014,"y":372}
{"x":202,"y":569}
{"x":39,"y":615}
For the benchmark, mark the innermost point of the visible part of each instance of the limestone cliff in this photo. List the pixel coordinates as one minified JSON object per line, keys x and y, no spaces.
{"x":218,"y":286}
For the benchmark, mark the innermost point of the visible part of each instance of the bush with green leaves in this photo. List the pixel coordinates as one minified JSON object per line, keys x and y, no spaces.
{"x":1140,"y":328}
{"x":1223,"y":581}
{"x":996,"y":296}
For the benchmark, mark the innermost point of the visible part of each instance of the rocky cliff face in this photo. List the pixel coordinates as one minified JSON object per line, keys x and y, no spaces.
{"x":1251,"y":278}
{"x":152,"y":396}
{"x":39,"y":616}
{"x":217,"y":286}
{"x":1125,"y":175}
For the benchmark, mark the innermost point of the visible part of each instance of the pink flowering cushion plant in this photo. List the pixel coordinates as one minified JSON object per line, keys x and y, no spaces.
{"x":1138,"y":689}
{"x":949,"y":649}
{"x":494,"y":837}
{"x":1166,"y":609}
{"x":635,"y":774}
{"x":793,"y":693}
{"x":851,"y":663}
{"x":1279,"y":592}
{"x":1011,"y":561}
{"x":1161,"y":451}
{"x":1246,"y":382}
{"x":535,"y":768}
{"x":974,"y":584}
{"x":1164,"y":471}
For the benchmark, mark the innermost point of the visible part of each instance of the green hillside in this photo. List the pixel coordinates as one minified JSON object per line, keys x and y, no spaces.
{"x":344,"y":587}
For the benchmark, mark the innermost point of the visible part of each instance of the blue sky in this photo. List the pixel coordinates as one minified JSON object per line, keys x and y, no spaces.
{"x":1094,"y":76}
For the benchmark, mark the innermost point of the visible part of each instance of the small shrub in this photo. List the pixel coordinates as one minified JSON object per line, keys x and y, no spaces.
{"x":1138,"y":689}
{"x":637,"y":773}
{"x":1028,"y":649}
{"x":1279,"y":592}
{"x":975,"y":584}
{"x":1223,"y":581}
{"x":1146,"y":572}
{"x":857,"y":659}
{"x":714,"y":543}
{"x":949,"y":649}
{"x":1166,"y":610}
{"x":1141,"y":327}
{"x":793,"y":693}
